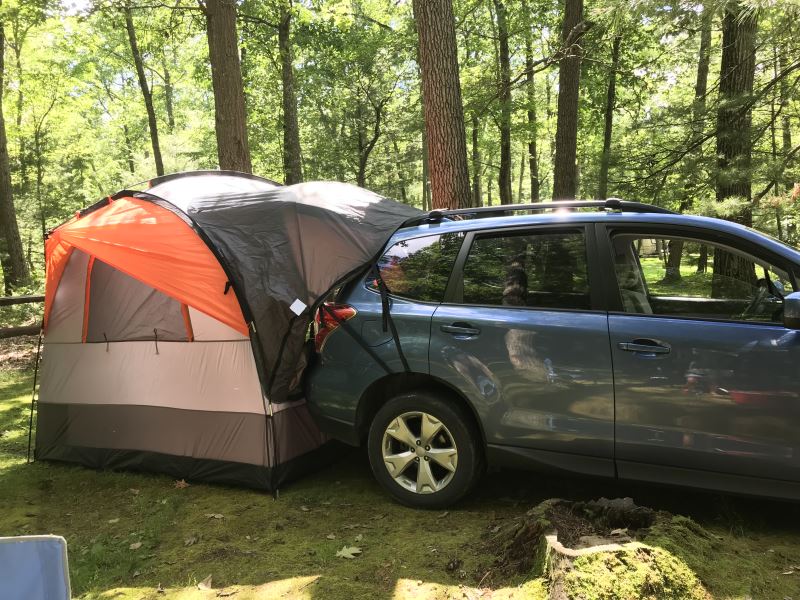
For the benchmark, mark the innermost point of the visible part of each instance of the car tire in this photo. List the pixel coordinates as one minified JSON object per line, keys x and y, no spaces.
{"x":425,"y":450}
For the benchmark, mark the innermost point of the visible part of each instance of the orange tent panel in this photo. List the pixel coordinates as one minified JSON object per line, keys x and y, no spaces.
{"x":150,"y":244}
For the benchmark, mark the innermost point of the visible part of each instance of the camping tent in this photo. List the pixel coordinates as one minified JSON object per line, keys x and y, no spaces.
{"x":175,"y":322}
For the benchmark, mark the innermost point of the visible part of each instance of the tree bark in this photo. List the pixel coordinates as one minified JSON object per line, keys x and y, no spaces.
{"x":444,"y":113}
{"x":169,"y":97}
{"x":476,"y":162}
{"x":230,"y":116}
{"x":292,"y":161}
{"x":786,"y":131}
{"x":504,"y":84}
{"x":734,"y":143}
{"x":565,"y":172}
{"x":533,"y":159}
{"x":12,"y":253}
{"x":146,"y":93}
{"x":611,"y":98}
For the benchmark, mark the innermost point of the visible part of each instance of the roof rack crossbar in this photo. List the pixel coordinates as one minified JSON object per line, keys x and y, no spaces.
{"x":609,"y":204}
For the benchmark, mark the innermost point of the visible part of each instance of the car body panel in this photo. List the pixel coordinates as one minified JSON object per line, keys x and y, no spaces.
{"x":545,"y":389}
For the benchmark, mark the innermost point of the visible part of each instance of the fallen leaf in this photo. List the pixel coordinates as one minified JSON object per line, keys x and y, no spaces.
{"x":112,"y":521}
{"x":134,"y":491}
{"x":205,"y":584}
{"x":788,"y":573}
{"x":377,"y":517}
{"x":331,"y":536}
{"x":359,"y":537}
{"x":160,"y":589}
{"x":190,"y":541}
{"x":215,"y":516}
{"x":349,"y":552}
{"x":181,"y":484}
{"x":305,"y":508}
{"x":135,"y":546}
{"x":443,"y":515}
{"x":495,"y":529}
{"x":137,"y":573}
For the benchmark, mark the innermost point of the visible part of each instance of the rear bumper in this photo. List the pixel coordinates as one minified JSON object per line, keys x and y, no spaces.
{"x":339,"y":430}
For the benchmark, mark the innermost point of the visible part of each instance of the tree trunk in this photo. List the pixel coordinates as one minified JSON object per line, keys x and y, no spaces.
{"x":169,"y":97}
{"x":734,"y":143}
{"x":698,"y":108}
{"x":146,"y":93}
{"x":673,"y":268}
{"x":786,"y":131}
{"x":365,"y":147}
{"x":522,"y":161}
{"x":401,"y":172}
{"x":504,"y":84}
{"x":533,"y":159}
{"x":126,"y":136}
{"x":611,"y":97}
{"x":476,"y":162}
{"x":230,"y":116}
{"x":444,"y":113}
{"x":565,"y":176}
{"x":292,"y":162}
{"x":12,"y":253}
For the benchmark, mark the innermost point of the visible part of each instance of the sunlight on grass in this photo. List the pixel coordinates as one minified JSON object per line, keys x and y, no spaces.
{"x":296,"y":588}
{"x":407,"y":589}
{"x":130,"y":533}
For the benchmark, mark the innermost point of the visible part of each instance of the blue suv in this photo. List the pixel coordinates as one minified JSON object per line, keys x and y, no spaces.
{"x":621,"y":341}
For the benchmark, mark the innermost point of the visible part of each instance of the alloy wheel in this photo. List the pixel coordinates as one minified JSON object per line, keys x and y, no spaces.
{"x":419,"y":452}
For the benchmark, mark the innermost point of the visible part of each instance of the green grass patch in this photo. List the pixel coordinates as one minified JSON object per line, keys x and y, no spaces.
{"x":131,"y":534}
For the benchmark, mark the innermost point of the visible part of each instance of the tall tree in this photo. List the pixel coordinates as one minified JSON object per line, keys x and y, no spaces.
{"x":533,"y":158}
{"x":565,"y":171}
{"x":734,"y":115}
{"x":611,"y":98}
{"x":147,"y":94}
{"x":292,"y":162}
{"x":734,"y":141}
{"x":444,"y":113}
{"x":476,"y":161}
{"x":504,"y":84}
{"x":230,"y":118}
{"x":12,"y":254}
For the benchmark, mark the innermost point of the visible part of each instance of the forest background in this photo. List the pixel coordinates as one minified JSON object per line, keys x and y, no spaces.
{"x":694,"y":106}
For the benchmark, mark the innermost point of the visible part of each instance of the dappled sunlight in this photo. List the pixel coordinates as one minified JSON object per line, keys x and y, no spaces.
{"x":411,"y":589}
{"x":296,"y":588}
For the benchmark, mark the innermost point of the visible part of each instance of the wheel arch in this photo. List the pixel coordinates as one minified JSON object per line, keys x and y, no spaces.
{"x":394,"y":384}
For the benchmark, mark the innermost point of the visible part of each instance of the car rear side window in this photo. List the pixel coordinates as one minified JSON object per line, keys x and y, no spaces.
{"x":419,"y":268}
{"x":540,"y":270}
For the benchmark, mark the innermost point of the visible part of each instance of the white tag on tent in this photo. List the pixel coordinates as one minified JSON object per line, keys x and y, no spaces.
{"x":297,"y":307}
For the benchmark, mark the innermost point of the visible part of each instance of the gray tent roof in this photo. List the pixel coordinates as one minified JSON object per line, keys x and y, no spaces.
{"x":284,"y":249}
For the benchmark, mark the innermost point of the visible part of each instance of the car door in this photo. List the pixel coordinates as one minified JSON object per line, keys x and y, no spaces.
{"x":706,"y":375}
{"x":521,"y":334}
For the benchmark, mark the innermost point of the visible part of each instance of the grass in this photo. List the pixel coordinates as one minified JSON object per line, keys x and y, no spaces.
{"x":130,"y":535}
{"x":692,"y":283}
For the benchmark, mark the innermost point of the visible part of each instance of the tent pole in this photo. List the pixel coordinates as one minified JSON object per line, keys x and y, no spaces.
{"x":33,"y":391}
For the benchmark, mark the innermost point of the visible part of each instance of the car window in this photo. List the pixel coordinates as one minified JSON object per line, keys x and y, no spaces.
{"x":695,"y":278}
{"x":542,"y":270}
{"x":419,"y":268}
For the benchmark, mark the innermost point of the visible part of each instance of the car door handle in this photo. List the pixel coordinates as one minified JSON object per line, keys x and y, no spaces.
{"x":645,"y":347}
{"x":460,"y":329}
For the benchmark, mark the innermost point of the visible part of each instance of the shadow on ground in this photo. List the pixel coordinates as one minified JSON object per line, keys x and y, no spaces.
{"x":131,"y":534}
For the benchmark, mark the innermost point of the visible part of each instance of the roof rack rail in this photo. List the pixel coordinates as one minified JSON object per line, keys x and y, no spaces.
{"x":615,"y":204}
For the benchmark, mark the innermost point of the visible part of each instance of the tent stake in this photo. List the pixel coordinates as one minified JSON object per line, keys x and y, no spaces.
{"x":33,"y":391}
